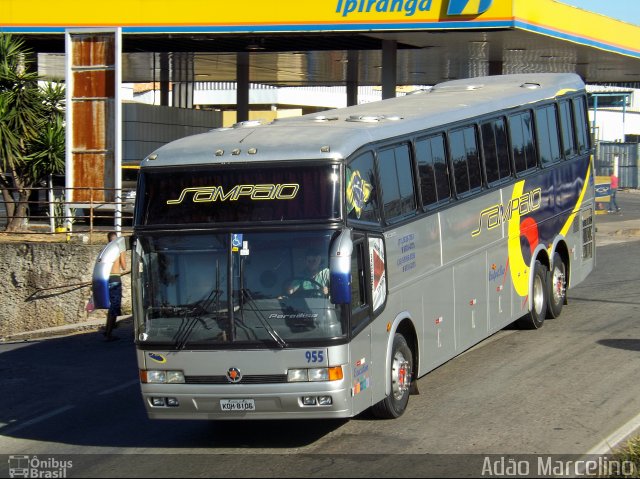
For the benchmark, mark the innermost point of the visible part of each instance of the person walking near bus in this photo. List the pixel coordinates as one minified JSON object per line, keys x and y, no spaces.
{"x":115,"y":292}
{"x":614,"y":188}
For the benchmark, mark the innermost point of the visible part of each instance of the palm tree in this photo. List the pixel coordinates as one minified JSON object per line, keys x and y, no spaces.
{"x":31,"y":130}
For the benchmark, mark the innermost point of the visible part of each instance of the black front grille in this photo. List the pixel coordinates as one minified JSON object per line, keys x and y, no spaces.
{"x":249,"y":379}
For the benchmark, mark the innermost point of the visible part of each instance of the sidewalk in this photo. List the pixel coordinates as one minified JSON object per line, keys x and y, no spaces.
{"x":610,"y":228}
{"x":623,"y":226}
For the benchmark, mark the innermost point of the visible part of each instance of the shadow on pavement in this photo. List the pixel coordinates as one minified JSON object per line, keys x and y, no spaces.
{"x":82,"y":390}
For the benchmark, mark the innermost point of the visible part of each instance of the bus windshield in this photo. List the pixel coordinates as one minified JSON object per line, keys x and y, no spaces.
{"x":247,"y":289}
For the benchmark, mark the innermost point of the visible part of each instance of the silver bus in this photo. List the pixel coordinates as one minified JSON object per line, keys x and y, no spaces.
{"x":315,"y":267}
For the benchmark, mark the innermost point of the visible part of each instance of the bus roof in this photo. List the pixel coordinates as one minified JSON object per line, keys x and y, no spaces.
{"x":336,"y":134}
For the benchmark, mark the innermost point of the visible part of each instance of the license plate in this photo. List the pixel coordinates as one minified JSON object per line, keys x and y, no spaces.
{"x":237,"y":405}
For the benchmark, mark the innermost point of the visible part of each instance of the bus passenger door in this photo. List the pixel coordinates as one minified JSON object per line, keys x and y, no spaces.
{"x":360,"y":347}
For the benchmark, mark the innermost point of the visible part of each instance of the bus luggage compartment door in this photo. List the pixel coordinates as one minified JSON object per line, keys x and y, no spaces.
{"x":361,"y":370}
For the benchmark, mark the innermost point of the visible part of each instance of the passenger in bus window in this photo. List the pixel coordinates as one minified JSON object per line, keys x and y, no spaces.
{"x":314,"y":280}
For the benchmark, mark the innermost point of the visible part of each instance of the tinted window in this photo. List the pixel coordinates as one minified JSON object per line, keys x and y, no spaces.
{"x":358,"y":282}
{"x":360,"y":310}
{"x":496,"y":150}
{"x":361,"y":192}
{"x":433,"y":170}
{"x":547,"y":130}
{"x":396,"y":182}
{"x":206,"y":195}
{"x":582,"y":132}
{"x":465,"y":160}
{"x":568,"y":133}
{"x":522,"y":146}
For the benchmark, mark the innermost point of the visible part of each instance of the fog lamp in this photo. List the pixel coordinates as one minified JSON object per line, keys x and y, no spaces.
{"x":309,"y":400}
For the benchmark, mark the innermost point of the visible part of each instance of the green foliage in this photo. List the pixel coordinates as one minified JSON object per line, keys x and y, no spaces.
{"x":48,"y":148}
{"x":9,"y":143}
{"x":60,"y":219}
{"x":630,"y":451}
{"x":32,"y":135}
{"x":21,"y":101}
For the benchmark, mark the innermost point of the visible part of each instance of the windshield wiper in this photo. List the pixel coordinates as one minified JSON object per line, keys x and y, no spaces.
{"x":244,"y":292}
{"x":186,"y":329}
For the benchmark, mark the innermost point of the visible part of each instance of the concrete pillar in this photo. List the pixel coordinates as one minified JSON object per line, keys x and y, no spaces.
{"x":353,"y":59}
{"x":389,"y":68}
{"x":183,"y":78}
{"x":495,"y":67}
{"x":164,"y":79}
{"x":242,"y":92}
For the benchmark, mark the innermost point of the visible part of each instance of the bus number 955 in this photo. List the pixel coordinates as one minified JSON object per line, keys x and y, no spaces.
{"x":314,"y":356}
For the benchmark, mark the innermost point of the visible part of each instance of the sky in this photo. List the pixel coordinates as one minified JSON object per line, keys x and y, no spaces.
{"x":626,"y":10}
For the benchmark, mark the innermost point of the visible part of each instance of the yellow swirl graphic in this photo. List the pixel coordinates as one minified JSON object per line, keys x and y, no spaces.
{"x":519,"y":269}
{"x":578,"y":205}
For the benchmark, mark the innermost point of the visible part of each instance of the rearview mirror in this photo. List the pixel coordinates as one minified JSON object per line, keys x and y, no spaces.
{"x":340,"y":268}
{"x":102,"y":270}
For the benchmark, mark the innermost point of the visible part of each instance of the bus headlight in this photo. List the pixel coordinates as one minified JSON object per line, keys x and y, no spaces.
{"x":315,"y":374}
{"x":297,"y":375}
{"x":153,"y":376}
{"x":319,"y":374}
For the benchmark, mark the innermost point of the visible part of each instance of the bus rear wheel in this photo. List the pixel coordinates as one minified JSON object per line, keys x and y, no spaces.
{"x":557,"y":287}
{"x":539,"y":299}
{"x":394,"y":405}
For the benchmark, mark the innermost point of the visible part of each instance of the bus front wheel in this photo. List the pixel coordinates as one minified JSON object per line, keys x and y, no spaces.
{"x":401,"y":376}
{"x":539,"y":299}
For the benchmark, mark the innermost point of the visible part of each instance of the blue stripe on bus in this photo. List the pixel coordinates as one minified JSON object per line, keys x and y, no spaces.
{"x":564,"y":184}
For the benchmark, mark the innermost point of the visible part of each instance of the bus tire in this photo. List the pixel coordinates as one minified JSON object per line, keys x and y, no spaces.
{"x":539,"y":299}
{"x":557,"y":287}
{"x":394,"y":405}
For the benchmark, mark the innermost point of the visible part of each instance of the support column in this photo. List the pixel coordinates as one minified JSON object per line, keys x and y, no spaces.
{"x":353,"y":59}
{"x":183,"y":75}
{"x":495,"y":67}
{"x":389,"y":68}
{"x":164,"y":79}
{"x":242,"y":91}
{"x":93,"y":118}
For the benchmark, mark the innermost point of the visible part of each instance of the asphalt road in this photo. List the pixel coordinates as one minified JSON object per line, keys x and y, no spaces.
{"x":557,"y":391}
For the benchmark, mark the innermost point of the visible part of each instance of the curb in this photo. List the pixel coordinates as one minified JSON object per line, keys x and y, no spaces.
{"x":65,"y":330}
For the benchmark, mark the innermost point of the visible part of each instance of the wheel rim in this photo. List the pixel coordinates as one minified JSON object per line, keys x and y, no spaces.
{"x":558,"y":285}
{"x":400,"y":375}
{"x":538,"y":294}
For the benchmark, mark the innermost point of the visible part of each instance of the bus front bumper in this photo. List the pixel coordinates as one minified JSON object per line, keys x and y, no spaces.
{"x":237,"y":403}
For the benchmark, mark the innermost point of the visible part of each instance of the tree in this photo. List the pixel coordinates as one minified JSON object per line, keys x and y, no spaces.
{"x":32,"y":138}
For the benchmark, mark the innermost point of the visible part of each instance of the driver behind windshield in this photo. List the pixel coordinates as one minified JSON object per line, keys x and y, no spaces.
{"x":314,"y":277}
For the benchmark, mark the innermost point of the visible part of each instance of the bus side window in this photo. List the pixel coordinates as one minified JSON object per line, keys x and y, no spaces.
{"x":547,"y":130}
{"x":361,"y":189}
{"x":496,"y":150}
{"x":522,"y":145}
{"x":465,"y":160}
{"x":432,"y":169}
{"x":396,"y":181}
{"x":568,"y":132}
{"x":582,"y":132}
{"x":359,"y":306}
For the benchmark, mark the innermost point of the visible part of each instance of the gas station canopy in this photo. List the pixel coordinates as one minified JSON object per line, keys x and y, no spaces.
{"x":296,"y":43}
